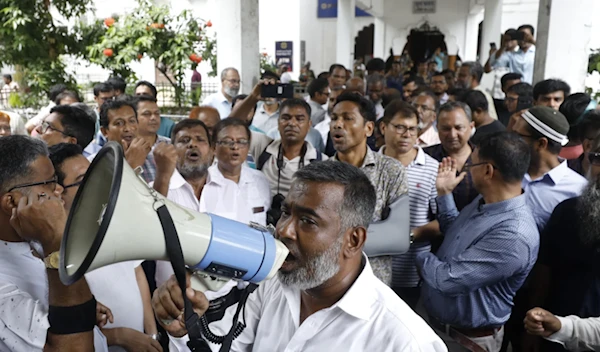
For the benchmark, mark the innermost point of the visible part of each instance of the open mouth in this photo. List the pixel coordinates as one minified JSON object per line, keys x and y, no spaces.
{"x":194,"y":156}
{"x":128,"y":138}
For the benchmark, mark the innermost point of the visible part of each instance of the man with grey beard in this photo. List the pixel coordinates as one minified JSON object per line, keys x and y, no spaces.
{"x":183,"y":179}
{"x":230,"y":87}
{"x":325,"y":294}
{"x":566,"y":277}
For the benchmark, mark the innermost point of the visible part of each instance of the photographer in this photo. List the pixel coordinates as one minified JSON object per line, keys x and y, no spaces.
{"x":282,"y":158}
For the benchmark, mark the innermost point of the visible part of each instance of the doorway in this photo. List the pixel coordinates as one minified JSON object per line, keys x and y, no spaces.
{"x":423,"y":41}
{"x":363,"y":43}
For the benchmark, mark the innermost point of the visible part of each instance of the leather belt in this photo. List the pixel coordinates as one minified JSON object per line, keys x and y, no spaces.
{"x":462,"y":335}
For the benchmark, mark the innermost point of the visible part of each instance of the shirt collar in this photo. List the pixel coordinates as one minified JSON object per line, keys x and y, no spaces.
{"x":222,"y":97}
{"x":311,"y":152}
{"x":177,"y":181}
{"x":419,"y":159}
{"x":215,"y":176}
{"x":559,"y":172}
{"x":262,"y":110}
{"x":368,"y":161}
{"x":501,"y":207}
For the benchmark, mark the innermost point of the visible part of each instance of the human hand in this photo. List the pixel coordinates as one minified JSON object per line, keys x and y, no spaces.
{"x":447,"y":178}
{"x":528,"y":38}
{"x":103,"y":315}
{"x":136,"y":151}
{"x":135,"y":341}
{"x":41,"y":217}
{"x":540,"y":322}
{"x":167,"y":303}
{"x":165,"y":156}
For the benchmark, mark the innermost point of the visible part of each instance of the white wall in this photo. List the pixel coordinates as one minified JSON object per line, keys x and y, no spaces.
{"x":320,"y":35}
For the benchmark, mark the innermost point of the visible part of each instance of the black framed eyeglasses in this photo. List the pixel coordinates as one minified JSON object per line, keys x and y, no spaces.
{"x":76,"y":184}
{"x":594,"y":158}
{"x":45,"y":126}
{"x":468,"y":167}
{"x":54,"y":181}
{"x":231,"y":144}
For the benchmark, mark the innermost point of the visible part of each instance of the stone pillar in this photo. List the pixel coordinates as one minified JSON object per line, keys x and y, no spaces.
{"x":492,"y":22}
{"x":237,"y":40}
{"x":345,"y":33}
{"x":379,"y":49}
{"x":563,"y":34}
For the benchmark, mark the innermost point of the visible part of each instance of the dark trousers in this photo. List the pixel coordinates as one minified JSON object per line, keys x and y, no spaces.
{"x":410,"y":295}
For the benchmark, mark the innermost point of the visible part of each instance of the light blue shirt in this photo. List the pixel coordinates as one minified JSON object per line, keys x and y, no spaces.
{"x":219,"y":102}
{"x":522,"y":62}
{"x":262,"y":120}
{"x":545,"y":193}
{"x":487,"y":253}
{"x":313,"y":137}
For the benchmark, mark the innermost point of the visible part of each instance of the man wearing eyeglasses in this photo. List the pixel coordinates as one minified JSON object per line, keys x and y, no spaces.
{"x":122,"y":287}
{"x":36,"y":309}
{"x":67,"y":124}
{"x":427,"y":105}
{"x":399,"y":126}
{"x":230,"y":87}
{"x":489,"y":247}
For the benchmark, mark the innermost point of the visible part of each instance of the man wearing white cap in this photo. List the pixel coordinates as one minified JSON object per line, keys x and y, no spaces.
{"x":549,"y":180}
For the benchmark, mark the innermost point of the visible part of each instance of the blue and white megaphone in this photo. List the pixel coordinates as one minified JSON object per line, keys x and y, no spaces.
{"x":114,"y":219}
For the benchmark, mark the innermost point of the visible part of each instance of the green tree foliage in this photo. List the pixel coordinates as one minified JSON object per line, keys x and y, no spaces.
{"x":173,"y":42}
{"x":35,"y":42}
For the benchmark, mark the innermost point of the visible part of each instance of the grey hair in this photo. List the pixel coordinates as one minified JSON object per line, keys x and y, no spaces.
{"x":358,"y":205}
{"x":453,"y":105}
{"x":475,"y":69}
{"x":18,"y":153}
{"x":376,"y":78}
{"x":224,"y":72}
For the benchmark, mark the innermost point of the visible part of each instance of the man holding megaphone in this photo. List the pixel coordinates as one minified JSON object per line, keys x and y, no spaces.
{"x":37,"y":311}
{"x":325,"y":293}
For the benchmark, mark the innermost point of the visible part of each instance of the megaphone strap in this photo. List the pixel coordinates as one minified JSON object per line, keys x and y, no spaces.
{"x":192,"y":321}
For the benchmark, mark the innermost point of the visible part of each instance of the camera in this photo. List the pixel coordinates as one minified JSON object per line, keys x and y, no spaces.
{"x":274,"y":213}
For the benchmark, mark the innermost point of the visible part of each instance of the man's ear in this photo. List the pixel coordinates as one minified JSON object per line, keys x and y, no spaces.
{"x":72,"y":140}
{"x":355,"y":241}
{"x":369,"y":128}
{"x":8,"y":202}
{"x":103,"y":131}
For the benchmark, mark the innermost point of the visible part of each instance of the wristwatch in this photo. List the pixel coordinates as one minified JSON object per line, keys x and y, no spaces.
{"x":52,"y":261}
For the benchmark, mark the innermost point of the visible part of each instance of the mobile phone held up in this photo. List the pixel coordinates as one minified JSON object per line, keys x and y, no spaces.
{"x":279,"y":90}
{"x":493,"y":46}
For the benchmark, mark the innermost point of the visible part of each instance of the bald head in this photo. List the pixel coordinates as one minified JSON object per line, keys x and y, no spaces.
{"x":356,"y":84}
{"x":207,"y":114}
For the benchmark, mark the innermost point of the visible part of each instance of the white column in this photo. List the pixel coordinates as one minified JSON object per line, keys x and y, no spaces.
{"x":345,"y":33}
{"x":237,"y":40}
{"x":491,"y":30}
{"x":563,"y":35}
{"x":379,"y":40}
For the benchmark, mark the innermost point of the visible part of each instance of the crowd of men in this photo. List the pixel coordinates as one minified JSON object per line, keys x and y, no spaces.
{"x":504,"y":210}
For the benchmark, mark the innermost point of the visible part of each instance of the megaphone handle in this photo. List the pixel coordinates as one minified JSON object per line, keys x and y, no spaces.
{"x":192,"y":321}
{"x":203,"y":282}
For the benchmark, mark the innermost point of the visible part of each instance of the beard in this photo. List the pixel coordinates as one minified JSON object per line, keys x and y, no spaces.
{"x":316,"y":270}
{"x":588,"y":208}
{"x":232,"y":92}
{"x":192,"y":172}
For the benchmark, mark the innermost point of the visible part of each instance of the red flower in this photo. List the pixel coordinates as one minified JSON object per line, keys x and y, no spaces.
{"x":108,"y":22}
{"x":140,"y":56}
{"x":108,"y":52}
{"x":209,"y":24}
{"x":195,"y":58}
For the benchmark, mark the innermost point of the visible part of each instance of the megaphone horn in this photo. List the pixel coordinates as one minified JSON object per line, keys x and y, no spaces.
{"x":114,"y":219}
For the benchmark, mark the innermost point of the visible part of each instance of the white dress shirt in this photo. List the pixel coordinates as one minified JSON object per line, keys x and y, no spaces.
{"x":323,"y":128}
{"x":24,"y":301}
{"x":219,"y":101}
{"x":369,"y":317}
{"x":578,"y":334}
{"x":246,"y":201}
{"x":116,"y":287}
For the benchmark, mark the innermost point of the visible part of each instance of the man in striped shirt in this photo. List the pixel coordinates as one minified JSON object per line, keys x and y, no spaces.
{"x":399,"y":127}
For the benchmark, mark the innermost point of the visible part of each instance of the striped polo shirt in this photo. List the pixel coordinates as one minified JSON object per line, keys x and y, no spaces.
{"x":421,"y":175}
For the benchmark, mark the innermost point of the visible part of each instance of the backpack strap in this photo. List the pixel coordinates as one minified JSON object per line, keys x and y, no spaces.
{"x":263,"y":158}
